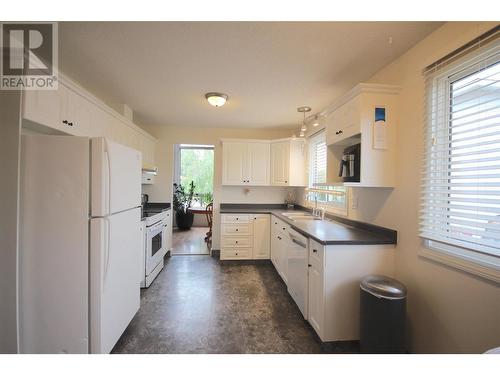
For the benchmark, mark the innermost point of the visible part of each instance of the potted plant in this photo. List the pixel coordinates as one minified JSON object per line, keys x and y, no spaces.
{"x":182,"y":202}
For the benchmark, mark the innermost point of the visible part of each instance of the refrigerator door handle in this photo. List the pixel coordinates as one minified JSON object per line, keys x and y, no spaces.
{"x":108,"y":175}
{"x":107,"y":254}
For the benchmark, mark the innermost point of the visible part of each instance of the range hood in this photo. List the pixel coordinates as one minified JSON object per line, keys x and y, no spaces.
{"x":152,"y":171}
{"x":148,"y":175}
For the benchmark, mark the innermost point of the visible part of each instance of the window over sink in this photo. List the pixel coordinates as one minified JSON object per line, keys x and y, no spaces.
{"x":331,"y":197}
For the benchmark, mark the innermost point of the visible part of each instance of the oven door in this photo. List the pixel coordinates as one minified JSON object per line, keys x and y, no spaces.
{"x":155,"y":246}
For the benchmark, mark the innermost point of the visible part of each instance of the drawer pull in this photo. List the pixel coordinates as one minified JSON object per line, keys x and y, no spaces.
{"x":236,"y":241}
{"x":237,"y":218}
{"x":236,"y":229}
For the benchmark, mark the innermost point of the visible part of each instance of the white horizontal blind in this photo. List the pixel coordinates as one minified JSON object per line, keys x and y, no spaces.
{"x":333,"y":196}
{"x":461,"y":181}
{"x":317,"y":159}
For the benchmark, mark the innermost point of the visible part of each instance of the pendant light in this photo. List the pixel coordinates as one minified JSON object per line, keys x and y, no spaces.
{"x":303,"y":128}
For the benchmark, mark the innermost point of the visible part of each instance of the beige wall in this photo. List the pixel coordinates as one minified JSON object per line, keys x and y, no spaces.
{"x":450,"y":311}
{"x":10,"y":125}
{"x":168,"y":136}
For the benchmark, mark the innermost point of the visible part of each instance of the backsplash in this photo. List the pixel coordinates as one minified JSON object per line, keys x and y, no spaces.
{"x":253,"y":194}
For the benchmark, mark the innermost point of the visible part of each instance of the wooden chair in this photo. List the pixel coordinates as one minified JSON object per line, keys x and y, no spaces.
{"x":209,"y":213}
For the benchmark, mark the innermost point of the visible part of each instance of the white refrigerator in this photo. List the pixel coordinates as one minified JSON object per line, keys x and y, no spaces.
{"x":80,"y":243}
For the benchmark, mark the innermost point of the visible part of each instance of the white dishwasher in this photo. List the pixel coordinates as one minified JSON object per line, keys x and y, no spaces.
{"x":298,"y":260}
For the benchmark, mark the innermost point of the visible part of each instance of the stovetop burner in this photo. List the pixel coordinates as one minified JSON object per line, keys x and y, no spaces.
{"x":151,"y":209}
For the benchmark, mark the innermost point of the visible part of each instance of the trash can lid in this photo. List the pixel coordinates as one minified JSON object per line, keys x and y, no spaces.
{"x":383,"y":287}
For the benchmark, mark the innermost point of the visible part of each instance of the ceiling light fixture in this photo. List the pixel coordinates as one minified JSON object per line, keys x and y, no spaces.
{"x":316,"y":121}
{"x":303,"y":110}
{"x":216,"y":98}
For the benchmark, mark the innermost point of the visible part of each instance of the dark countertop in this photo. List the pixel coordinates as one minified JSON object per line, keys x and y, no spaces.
{"x":331,"y":231}
{"x":152,"y":208}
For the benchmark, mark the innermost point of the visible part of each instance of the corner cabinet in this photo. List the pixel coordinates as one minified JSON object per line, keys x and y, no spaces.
{"x":288,"y":162}
{"x":351,"y":120}
{"x":245,"y":163}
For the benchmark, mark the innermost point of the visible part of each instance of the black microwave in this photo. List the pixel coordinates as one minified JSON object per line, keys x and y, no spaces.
{"x":350,"y":165}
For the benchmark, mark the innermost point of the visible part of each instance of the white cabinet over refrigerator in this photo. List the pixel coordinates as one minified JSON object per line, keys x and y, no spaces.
{"x":80,"y":243}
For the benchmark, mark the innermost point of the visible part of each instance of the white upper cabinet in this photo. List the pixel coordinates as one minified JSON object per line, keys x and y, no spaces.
{"x":280,"y":161}
{"x":288,"y":163}
{"x":258,"y":168}
{"x":263,"y":162}
{"x":351,"y":120}
{"x":344,"y":122}
{"x":75,"y":112}
{"x":44,"y":107}
{"x":71,"y":110}
{"x":245,"y":163}
{"x":234,"y":169}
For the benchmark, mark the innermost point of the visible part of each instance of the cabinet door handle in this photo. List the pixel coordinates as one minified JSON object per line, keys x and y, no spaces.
{"x":237,"y":218}
{"x":70,"y":123}
{"x":315,"y":251}
{"x":236,"y":241}
{"x":236,"y":229}
{"x":340,"y":131}
{"x":65,"y":121}
{"x":309,"y":265}
{"x":286,"y":182}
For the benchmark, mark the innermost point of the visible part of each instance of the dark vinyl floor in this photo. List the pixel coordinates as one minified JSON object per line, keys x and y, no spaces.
{"x":199,"y":304}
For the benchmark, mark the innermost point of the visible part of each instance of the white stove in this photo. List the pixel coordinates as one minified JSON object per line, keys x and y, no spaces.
{"x":156,"y":227}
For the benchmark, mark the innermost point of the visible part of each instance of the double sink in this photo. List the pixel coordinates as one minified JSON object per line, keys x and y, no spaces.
{"x":296,"y":216}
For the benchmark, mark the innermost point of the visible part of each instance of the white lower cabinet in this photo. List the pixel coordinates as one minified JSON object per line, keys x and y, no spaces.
{"x":245,"y":236}
{"x":279,"y":237}
{"x":334,"y":275}
{"x":261,"y":236}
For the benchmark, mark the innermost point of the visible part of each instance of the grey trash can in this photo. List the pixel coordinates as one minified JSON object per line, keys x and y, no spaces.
{"x":382,"y":315}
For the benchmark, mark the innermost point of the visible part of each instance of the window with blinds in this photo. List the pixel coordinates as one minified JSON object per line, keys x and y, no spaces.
{"x":317,"y":160}
{"x":334,"y":196}
{"x":461,"y":184}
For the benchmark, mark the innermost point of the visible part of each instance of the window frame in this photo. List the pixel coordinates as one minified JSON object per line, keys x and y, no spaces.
{"x":178,"y":162}
{"x":323,"y":188}
{"x":447,"y":252}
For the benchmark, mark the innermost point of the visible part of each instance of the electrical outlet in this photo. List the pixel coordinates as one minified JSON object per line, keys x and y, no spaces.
{"x":354,"y":203}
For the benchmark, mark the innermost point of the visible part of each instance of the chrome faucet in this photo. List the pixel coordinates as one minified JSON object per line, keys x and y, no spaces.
{"x":317,"y":212}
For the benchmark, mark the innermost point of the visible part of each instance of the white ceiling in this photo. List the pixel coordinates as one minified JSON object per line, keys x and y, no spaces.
{"x":163,"y":69}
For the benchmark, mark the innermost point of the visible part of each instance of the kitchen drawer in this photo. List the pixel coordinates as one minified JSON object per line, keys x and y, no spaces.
{"x":316,"y":253}
{"x":237,"y":229}
{"x":236,"y":253}
{"x":235,"y":219}
{"x":237,"y":241}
